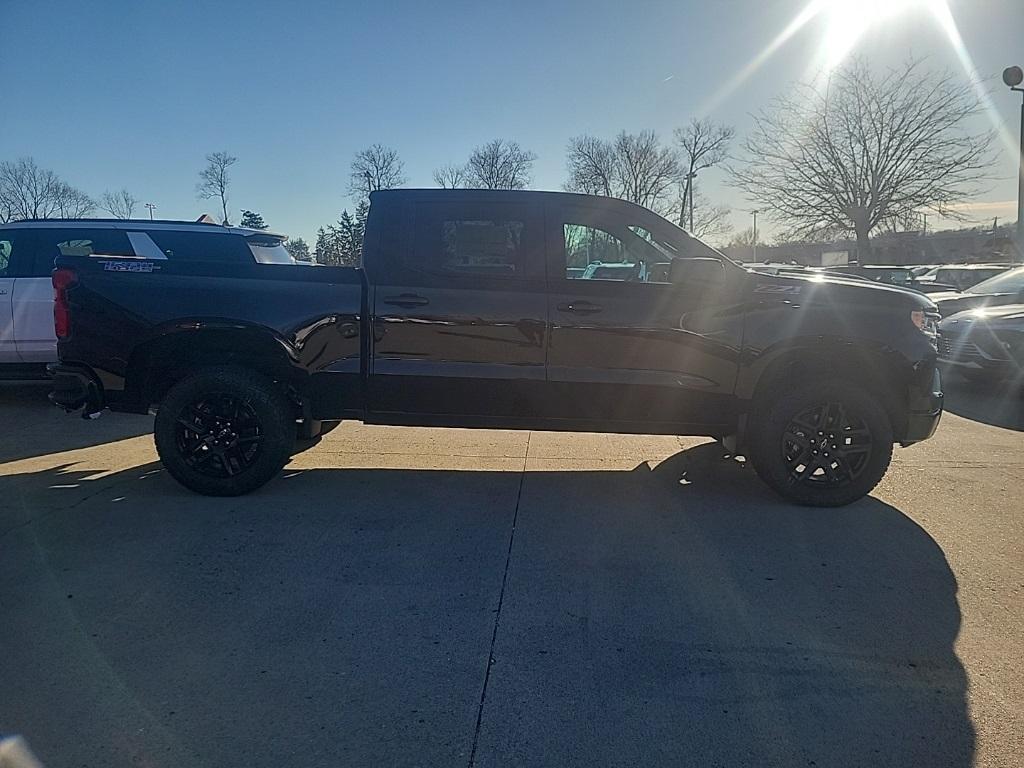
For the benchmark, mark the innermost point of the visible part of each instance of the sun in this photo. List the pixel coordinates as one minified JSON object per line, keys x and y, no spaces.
{"x":847,"y":21}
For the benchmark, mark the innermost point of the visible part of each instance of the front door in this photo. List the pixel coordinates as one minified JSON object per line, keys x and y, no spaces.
{"x":626,"y":346}
{"x":460,"y":313}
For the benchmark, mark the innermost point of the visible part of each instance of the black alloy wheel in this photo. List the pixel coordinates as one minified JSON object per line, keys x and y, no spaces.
{"x":823,"y":445}
{"x":219,"y":435}
{"x":225,"y":430}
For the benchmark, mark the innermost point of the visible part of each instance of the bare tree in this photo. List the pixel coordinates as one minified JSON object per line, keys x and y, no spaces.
{"x":499,"y":164}
{"x":634,"y":167}
{"x":73,"y":203}
{"x":450,"y":176}
{"x":373,"y":168}
{"x":704,"y":144}
{"x":648,"y":170}
{"x":30,"y":192}
{"x":593,"y":167}
{"x":745,"y":238}
{"x":214,"y":180}
{"x":867,"y":149}
{"x":120,"y":204}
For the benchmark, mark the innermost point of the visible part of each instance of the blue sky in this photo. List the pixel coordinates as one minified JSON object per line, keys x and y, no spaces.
{"x":118,"y":94}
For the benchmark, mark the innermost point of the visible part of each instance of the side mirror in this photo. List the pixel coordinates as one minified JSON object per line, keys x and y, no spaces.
{"x":700,"y":270}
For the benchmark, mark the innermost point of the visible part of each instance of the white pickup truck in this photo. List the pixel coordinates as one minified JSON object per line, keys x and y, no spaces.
{"x":27,"y":340}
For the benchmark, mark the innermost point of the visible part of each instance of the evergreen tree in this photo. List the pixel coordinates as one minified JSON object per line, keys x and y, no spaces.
{"x":298,"y":248}
{"x":252,"y":220}
{"x":328,"y":250}
{"x":350,"y":238}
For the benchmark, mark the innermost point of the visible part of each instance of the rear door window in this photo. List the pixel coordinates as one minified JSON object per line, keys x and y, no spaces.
{"x":456,"y":243}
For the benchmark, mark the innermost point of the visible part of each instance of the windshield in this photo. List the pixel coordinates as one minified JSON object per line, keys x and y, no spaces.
{"x":1007,"y":282}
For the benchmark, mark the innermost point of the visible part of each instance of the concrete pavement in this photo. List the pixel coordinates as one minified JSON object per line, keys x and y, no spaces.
{"x":446,"y":597}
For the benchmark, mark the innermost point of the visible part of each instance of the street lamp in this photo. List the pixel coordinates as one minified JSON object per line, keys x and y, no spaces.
{"x":1013,"y":77}
{"x":151,"y":209}
{"x":689,"y":195}
{"x":754,"y":243}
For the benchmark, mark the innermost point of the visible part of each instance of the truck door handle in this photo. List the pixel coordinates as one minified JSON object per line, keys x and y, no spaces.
{"x":406,"y":300}
{"x":3,"y":291}
{"x":580,"y":307}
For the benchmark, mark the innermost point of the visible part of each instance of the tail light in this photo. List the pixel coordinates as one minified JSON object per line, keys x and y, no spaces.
{"x":63,"y":279}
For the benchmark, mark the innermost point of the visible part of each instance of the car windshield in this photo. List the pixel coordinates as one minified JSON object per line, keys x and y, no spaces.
{"x":1007,"y":282}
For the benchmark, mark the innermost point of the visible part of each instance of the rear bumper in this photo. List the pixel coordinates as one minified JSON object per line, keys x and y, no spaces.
{"x":925,"y":411}
{"x":75,"y":387}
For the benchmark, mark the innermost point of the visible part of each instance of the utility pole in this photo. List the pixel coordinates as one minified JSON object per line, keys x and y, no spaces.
{"x":689,"y":195}
{"x":1013,"y":77}
{"x":754,"y":239}
{"x":151,"y":209}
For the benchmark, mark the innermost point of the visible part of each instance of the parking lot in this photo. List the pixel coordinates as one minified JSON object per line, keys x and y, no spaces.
{"x":426,"y":597}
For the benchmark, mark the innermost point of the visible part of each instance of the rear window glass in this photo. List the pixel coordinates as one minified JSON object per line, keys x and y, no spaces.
{"x":269,"y":250}
{"x":201,"y":246}
{"x":6,"y":250}
{"x":51,"y":243}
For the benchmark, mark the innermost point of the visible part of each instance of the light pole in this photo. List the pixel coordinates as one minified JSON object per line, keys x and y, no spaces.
{"x":754,"y":239}
{"x":689,"y":195}
{"x":1013,"y":77}
{"x":151,"y":209}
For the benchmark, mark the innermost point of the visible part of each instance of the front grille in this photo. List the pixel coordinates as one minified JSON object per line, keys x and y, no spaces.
{"x":954,"y":348}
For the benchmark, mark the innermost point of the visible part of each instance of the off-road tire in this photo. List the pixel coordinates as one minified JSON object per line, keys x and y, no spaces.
{"x":841,"y":471}
{"x":184,"y":421}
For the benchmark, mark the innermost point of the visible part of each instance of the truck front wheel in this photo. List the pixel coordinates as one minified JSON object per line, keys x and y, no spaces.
{"x":224,"y":431}
{"x":821,"y":444}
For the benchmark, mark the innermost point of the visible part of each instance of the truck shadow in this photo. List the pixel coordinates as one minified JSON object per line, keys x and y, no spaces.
{"x":668,"y":616}
{"x":35,"y":427}
{"x":989,"y":402}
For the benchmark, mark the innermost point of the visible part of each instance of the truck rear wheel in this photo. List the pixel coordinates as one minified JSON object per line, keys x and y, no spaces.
{"x":224,"y":431}
{"x":821,"y":444}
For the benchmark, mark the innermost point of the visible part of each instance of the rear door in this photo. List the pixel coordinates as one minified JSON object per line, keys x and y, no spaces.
{"x":625,"y":345}
{"x":459,"y":309}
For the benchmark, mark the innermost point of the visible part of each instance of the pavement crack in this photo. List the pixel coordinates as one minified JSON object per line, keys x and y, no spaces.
{"x":497,"y":614}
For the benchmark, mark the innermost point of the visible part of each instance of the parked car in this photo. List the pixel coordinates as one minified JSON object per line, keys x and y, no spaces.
{"x":960,"y":277}
{"x":986,"y":342}
{"x":901,"y":277}
{"x":1005,"y":288}
{"x":28,"y":250}
{"x":614,"y":271}
{"x":811,"y":378}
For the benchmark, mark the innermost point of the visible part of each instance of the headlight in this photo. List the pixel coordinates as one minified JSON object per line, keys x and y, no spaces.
{"x":926,"y":322}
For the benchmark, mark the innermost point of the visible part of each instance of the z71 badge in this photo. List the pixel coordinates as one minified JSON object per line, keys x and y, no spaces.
{"x":128,"y":266}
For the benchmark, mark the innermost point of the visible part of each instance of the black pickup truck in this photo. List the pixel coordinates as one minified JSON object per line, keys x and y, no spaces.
{"x":485,"y":309}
